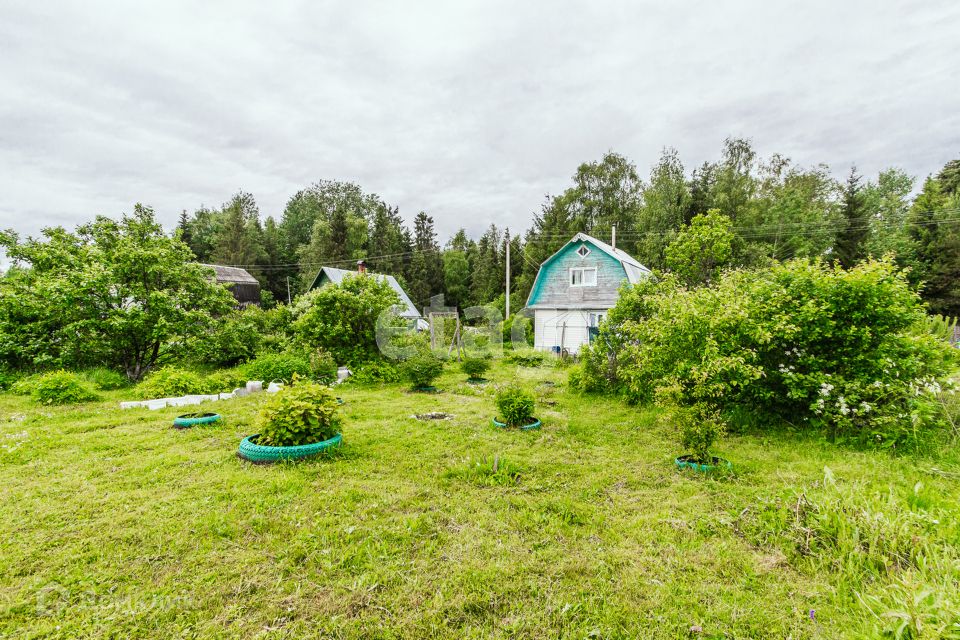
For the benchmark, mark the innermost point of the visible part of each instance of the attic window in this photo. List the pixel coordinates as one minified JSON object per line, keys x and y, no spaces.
{"x":580,"y":277}
{"x":583,"y":252}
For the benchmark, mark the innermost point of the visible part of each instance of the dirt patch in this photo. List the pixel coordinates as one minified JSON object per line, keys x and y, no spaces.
{"x":433,"y":415}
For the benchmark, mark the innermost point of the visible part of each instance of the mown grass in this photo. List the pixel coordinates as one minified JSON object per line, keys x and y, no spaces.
{"x":115,"y":525}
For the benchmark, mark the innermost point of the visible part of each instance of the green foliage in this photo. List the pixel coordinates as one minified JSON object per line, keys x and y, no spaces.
{"x":422,"y":368}
{"x":698,"y":426}
{"x":341,"y":318}
{"x":7,"y":379}
{"x":515,"y":405}
{"x":902,"y":539}
{"x":271,"y":367}
{"x":300,"y":413}
{"x":943,"y":327}
{"x":495,"y":472}
{"x":475,"y":366}
{"x":518,"y":327}
{"x":113,"y":294}
{"x":701,"y":249}
{"x":172,"y":382}
{"x":226,"y":380}
{"x":323,"y":368}
{"x":526,"y":357}
{"x":61,"y":387}
{"x":236,"y":337}
{"x":815,"y":346}
{"x":106,"y":379}
{"x":376,"y":371}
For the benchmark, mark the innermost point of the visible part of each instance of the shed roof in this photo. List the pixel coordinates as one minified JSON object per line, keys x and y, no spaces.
{"x":232,"y":274}
{"x":336,"y":276}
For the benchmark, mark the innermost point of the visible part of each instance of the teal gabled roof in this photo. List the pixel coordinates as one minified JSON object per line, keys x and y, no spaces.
{"x":632,"y":269}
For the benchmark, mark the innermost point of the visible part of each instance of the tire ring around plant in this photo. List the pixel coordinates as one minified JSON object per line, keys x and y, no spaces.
{"x":188,"y":420}
{"x":263,"y":454}
{"x":682,"y":463}
{"x":533,"y":425}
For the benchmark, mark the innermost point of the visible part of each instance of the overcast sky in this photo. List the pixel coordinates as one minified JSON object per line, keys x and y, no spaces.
{"x":471,"y":111}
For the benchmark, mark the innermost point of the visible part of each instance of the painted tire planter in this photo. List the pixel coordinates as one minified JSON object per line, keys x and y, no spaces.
{"x":687,"y":462}
{"x":188,"y":420}
{"x":425,"y":390}
{"x":477,"y":380}
{"x":533,"y":425}
{"x":250,"y":450}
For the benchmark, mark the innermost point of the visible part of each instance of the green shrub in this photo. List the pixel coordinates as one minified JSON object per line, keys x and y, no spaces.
{"x":24,"y":386}
{"x":232,"y":339}
{"x":526,"y":357}
{"x":7,"y":379}
{"x":107,"y":379}
{"x":323,"y":367}
{"x":375,"y":371}
{"x":475,"y":367}
{"x":422,"y":369}
{"x":300,"y":413}
{"x":226,"y":380}
{"x":803,"y":342}
{"x":515,"y":405}
{"x":61,"y":387}
{"x":341,"y":318}
{"x":171,"y":382}
{"x":278,"y":366}
{"x":698,"y":426}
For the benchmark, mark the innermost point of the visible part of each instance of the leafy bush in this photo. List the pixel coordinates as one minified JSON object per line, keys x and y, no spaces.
{"x":811,"y":344}
{"x":698,"y":426}
{"x":24,"y":386}
{"x":61,"y":387}
{"x":278,"y":366}
{"x":422,"y":368}
{"x":300,"y":413}
{"x":170,"y":382}
{"x":515,"y":405}
{"x":233,"y":338}
{"x":376,"y":371}
{"x":475,"y":366}
{"x":526,"y":357}
{"x":107,"y":379}
{"x":341,"y":319}
{"x":323,"y":367}
{"x":226,"y":380}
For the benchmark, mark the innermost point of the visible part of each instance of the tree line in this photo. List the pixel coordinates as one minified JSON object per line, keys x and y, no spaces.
{"x":776,"y":210}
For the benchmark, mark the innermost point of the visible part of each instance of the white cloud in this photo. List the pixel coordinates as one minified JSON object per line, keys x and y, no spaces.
{"x":470,"y":111}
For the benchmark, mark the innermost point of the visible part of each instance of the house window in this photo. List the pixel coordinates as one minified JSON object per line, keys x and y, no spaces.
{"x":596,"y":319}
{"x":583,"y":251}
{"x":583,"y":277}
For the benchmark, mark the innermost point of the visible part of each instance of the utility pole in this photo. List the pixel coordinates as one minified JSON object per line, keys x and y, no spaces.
{"x":508,"y":273}
{"x":613,"y":236}
{"x":288,"y":290}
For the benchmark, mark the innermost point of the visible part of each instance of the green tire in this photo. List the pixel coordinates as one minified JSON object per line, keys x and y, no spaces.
{"x":188,"y":420}
{"x":533,"y":425}
{"x":250,"y":450}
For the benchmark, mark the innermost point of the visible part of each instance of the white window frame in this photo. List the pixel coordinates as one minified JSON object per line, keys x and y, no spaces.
{"x":596,"y":318}
{"x":585,"y":248}
{"x":583,"y":280}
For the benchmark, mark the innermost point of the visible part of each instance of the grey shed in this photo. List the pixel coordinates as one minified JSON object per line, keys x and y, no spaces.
{"x":244,"y":287}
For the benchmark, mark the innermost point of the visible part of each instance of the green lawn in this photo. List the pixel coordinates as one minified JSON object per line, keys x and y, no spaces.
{"x":115,"y":525}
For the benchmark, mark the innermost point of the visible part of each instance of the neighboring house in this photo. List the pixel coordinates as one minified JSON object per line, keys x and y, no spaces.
{"x":330,"y":275}
{"x":244,"y":287}
{"x":574,"y":290}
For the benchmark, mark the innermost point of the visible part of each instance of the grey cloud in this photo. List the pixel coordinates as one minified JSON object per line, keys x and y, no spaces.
{"x":472,"y":111}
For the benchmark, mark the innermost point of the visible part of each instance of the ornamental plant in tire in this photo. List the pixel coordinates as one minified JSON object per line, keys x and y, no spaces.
{"x":698,"y":427}
{"x":299,"y":421}
{"x":515,"y":407}
{"x":422,"y":369}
